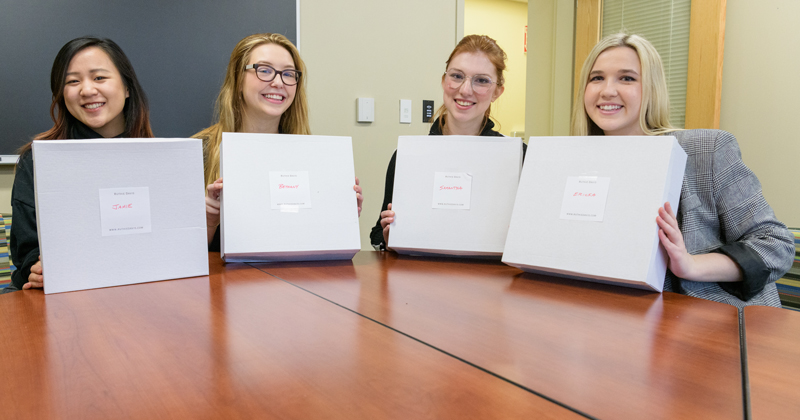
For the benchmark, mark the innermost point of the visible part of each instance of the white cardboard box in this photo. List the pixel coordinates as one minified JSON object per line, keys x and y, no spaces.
{"x":453,"y":195}
{"x":315,"y":217}
{"x":112,"y":212}
{"x":564,"y":224}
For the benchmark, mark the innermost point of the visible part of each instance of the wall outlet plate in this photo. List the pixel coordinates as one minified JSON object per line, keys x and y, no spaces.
{"x":427,"y":111}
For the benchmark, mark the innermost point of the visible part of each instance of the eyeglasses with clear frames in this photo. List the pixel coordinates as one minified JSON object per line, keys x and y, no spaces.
{"x":480,"y":82}
{"x":267,"y":73}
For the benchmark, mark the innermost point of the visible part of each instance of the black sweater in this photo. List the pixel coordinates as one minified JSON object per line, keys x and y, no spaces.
{"x":376,"y":236}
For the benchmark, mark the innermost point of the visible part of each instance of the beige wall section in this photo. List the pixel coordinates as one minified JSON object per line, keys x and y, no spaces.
{"x":759,"y":96}
{"x":6,"y":182}
{"x":383,"y":49}
{"x":504,"y":20}
{"x":548,"y":101}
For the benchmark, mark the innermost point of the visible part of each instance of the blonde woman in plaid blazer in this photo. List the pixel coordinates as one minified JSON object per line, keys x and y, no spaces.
{"x":725,"y":243}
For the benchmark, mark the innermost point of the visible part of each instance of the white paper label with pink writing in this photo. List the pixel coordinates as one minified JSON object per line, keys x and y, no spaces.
{"x":289,"y":191}
{"x":585,"y":198}
{"x":452,"y":190}
{"x":125,"y":211}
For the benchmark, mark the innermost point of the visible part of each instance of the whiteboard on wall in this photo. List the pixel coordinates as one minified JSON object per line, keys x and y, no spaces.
{"x":179,"y":49}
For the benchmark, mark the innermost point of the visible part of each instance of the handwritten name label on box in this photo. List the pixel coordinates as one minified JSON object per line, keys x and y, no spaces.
{"x":452,"y":190}
{"x":289,"y":191}
{"x":585,"y":198}
{"x":125,"y":211}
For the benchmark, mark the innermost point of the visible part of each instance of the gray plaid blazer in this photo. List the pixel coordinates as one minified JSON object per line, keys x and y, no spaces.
{"x":723,"y":210}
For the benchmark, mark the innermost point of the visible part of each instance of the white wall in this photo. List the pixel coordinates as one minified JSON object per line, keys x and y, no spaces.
{"x":760,"y":93}
{"x":383,"y":49}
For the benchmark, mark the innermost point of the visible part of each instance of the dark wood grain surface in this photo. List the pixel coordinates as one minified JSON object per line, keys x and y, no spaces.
{"x":608,"y":351}
{"x":773,"y":361}
{"x":235,"y":344}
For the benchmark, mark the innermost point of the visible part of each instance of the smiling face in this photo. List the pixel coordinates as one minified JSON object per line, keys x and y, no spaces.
{"x":613,"y":95}
{"x":265,"y":102}
{"x":95,"y":93}
{"x":466,"y":109}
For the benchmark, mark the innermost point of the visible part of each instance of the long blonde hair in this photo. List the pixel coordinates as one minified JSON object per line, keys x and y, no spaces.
{"x":230,"y":104}
{"x":475,"y":44}
{"x":654,"y":112}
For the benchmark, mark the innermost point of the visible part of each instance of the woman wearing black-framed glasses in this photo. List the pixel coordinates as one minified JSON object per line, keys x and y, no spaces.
{"x":267,"y":73}
{"x":263,"y":92}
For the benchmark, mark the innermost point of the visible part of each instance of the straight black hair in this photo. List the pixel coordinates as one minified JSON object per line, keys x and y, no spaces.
{"x":136,"y":111}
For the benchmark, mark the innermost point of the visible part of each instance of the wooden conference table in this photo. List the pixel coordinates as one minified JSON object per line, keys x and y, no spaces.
{"x":382,"y":336}
{"x":773,"y":362}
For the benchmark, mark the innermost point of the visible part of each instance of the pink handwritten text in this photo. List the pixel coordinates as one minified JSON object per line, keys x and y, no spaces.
{"x":579,"y":194}
{"x":122,"y":206}
{"x":444,"y":187}
{"x":283,"y":186}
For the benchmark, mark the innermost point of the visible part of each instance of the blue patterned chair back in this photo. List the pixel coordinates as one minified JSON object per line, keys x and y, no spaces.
{"x":5,"y":259}
{"x":789,"y":285}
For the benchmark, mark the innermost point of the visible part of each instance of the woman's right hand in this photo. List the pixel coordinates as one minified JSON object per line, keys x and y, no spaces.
{"x":212,"y":207}
{"x":36,"y":278}
{"x":387,"y":216}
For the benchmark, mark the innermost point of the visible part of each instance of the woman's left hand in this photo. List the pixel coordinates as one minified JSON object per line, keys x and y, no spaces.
{"x":36,"y":278}
{"x":359,"y":196}
{"x":681,"y":263}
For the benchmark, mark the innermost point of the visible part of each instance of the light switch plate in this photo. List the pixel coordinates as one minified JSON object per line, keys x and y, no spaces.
{"x":365,"y":109}
{"x":405,"y":111}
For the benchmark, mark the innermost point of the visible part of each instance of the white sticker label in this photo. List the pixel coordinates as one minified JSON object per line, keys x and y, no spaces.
{"x":289,"y":191}
{"x":452,"y":190}
{"x":125,"y":211}
{"x":585,"y":198}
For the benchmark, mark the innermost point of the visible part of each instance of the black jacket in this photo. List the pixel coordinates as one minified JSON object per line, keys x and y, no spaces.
{"x":376,"y":236}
